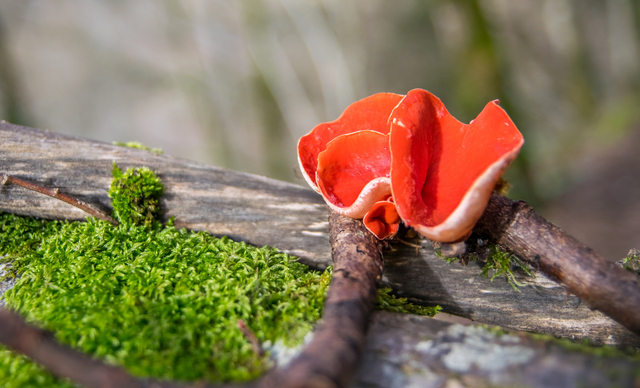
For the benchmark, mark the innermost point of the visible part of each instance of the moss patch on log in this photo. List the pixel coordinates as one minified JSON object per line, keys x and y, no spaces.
{"x":137,"y":145}
{"x":632,"y":262}
{"x":389,"y":302}
{"x":494,"y":261}
{"x":160,"y":301}
{"x":134,"y":196}
{"x":163,"y":302}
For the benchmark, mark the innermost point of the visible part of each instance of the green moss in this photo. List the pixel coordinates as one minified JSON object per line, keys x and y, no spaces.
{"x":587,"y":347}
{"x":160,"y":301}
{"x":19,"y":236}
{"x":138,"y":145}
{"x":501,"y":263}
{"x":134,"y":195}
{"x":498,"y":263}
{"x":389,"y":302}
{"x":164,"y":302}
{"x":632,"y":262}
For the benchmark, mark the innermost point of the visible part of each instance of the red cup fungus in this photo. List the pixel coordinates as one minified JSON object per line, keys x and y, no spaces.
{"x":391,"y":158}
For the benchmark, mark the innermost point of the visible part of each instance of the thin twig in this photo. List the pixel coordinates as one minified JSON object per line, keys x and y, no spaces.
{"x":330,"y":360}
{"x":251,"y":337}
{"x":601,"y":284}
{"x":55,"y":193}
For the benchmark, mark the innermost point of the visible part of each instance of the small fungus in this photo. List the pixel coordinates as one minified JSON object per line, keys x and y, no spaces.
{"x":390,"y":158}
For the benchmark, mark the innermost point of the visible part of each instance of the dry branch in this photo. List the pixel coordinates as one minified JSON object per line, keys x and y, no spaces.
{"x":331,"y":359}
{"x":61,"y":360}
{"x":601,"y":284}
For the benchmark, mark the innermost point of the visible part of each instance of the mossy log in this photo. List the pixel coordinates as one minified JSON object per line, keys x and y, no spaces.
{"x":401,"y":349}
{"x":263,"y":211}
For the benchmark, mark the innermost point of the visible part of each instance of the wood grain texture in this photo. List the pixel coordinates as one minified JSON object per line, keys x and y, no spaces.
{"x":541,"y":306}
{"x":245,"y":207}
{"x":412,"y":351}
{"x":294,"y":219}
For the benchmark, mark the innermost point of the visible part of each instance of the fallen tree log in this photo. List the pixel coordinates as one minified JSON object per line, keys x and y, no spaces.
{"x":263,"y":211}
{"x":413,"y":351}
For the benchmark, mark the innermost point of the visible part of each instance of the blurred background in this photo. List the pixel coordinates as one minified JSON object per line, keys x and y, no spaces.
{"x":236,"y":83}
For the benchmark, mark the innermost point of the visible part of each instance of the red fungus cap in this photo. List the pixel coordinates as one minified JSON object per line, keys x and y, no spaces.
{"x":369,"y":114}
{"x":439,"y":171}
{"x":383,"y":219}
{"x":353,"y":172}
{"x":443,"y":171}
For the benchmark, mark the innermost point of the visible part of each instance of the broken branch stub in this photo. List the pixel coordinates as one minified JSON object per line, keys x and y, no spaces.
{"x":599,"y":283}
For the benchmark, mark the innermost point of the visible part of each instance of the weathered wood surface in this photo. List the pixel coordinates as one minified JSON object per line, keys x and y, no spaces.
{"x":541,"y":305}
{"x":263,"y":211}
{"x":412,"y":351}
{"x":242,"y":206}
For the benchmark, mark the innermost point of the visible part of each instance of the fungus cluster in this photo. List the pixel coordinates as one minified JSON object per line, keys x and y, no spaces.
{"x":390,"y":158}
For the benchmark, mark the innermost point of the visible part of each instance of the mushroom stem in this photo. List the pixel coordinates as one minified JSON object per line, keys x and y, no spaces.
{"x":599,"y":283}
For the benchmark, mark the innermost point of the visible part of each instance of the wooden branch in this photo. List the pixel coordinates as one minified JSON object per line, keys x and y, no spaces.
{"x":412,"y":351}
{"x":263,"y":211}
{"x":55,"y":193}
{"x":601,"y":284}
{"x":331,"y":359}
{"x":61,"y":360}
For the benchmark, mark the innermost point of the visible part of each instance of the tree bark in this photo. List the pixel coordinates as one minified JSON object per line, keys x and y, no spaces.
{"x":413,"y":351}
{"x":331,"y":359}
